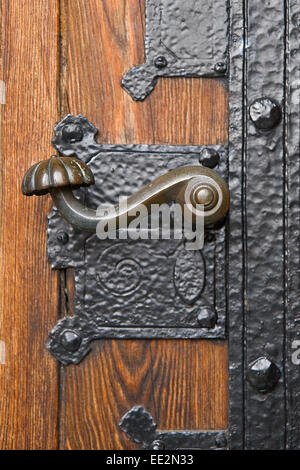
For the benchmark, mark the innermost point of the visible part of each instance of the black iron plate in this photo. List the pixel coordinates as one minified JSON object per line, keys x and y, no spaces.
{"x":134,"y":288}
{"x":183,"y":38}
{"x":139,"y":425}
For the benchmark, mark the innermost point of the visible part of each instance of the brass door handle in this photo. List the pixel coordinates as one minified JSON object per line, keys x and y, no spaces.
{"x":189,"y":185}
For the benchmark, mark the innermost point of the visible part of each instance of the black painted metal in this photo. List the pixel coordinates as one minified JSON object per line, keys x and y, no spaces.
{"x":140,"y":427}
{"x":236,"y":236}
{"x":264,"y":224}
{"x":263,"y":258}
{"x":292,"y":226}
{"x":134,"y":288}
{"x":183,"y":38}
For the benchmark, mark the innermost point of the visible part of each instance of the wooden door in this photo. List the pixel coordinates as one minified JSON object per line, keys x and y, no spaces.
{"x":68,"y":56}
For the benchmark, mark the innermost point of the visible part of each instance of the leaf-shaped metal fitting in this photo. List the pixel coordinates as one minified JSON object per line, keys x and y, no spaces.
{"x":57,"y":172}
{"x":138,"y":424}
{"x":189,"y":275}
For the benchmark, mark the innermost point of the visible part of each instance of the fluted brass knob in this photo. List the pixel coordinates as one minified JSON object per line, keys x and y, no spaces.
{"x":57,"y":172}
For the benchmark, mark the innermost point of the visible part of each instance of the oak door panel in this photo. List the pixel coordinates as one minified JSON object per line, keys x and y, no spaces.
{"x":28,"y":287}
{"x":182,"y":383}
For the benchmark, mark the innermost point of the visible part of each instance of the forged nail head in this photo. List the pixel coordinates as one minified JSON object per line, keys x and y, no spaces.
{"x":263,"y":374}
{"x":160,"y":62}
{"x":157,"y":445}
{"x":209,"y":158}
{"x":62,"y":237}
{"x":221,"y":441}
{"x":70,"y":340}
{"x":207,"y":318}
{"x":220,"y":67}
{"x":265,"y":113}
{"x":72,"y":132}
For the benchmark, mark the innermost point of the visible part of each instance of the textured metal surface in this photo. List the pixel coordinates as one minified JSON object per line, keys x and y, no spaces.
{"x":183,"y":38}
{"x":140,"y":427}
{"x":126,"y":288}
{"x":264,"y":225}
{"x":292,"y":225}
{"x":236,"y":237}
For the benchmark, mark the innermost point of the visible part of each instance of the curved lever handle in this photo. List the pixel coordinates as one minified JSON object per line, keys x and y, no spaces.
{"x":190,"y":185}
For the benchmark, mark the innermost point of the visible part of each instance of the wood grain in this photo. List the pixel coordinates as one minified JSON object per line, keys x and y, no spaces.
{"x":29,"y":294}
{"x":182,"y":383}
{"x":101,"y":41}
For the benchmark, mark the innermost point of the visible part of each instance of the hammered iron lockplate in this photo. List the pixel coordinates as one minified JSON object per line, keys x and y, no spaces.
{"x":183,"y":39}
{"x":134,"y":288}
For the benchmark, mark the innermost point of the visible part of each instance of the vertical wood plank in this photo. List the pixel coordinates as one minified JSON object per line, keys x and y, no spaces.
{"x":29,"y":294}
{"x":102,"y":40}
{"x":182,"y":383}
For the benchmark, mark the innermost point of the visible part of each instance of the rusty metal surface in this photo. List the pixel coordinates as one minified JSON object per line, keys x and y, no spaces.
{"x":186,"y":39}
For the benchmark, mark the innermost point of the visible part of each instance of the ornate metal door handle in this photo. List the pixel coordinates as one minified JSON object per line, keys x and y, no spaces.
{"x":188,"y":186}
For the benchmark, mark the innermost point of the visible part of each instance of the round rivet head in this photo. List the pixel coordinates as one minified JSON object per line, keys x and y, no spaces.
{"x":62,"y":237}
{"x":221,"y":441}
{"x":263,"y":374}
{"x":220,"y":67}
{"x":207,"y":318}
{"x":265,"y":113}
{"x":72,"y":132}
{"x":209,"y":157}
{"x":160,"y":62}
{"x":70,"y":340}
{"x":157,"y":445}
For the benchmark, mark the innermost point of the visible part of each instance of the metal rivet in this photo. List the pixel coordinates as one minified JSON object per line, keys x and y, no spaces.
{"x":70,"y":340}
{"x":265,"y":113}
{"x":207,"y":318}
{"x":221,"y":441}
{"x":160,"y":62}
{"x":209,"y":157}
{"x":62,"y":237}
{"x":157,"y":445}
{"x":263,"y":374}
{"x":220,"y":67}
{"x":72,"y":132}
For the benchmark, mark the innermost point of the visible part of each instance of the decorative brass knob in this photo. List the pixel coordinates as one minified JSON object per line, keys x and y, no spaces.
{"x":188,"y":186}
